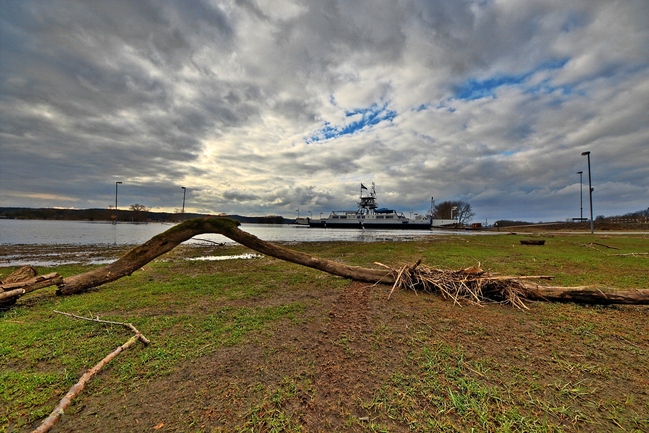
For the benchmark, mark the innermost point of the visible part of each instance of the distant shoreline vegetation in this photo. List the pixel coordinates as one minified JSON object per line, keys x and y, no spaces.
{"x":123,"y":215}
{"x":129,"y":215}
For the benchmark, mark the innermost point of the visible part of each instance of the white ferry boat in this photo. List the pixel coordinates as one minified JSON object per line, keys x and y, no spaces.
{"x":370,"y":216}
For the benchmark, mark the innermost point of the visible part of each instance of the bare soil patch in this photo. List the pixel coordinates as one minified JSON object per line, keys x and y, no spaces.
{"x":325,"y":370}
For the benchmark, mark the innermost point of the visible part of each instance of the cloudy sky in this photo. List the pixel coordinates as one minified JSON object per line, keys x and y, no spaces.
{"x":268,"y":106}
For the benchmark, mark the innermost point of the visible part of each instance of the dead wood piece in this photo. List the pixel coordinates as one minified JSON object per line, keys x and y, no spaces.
{"x":402,"y":271}
{"x":602,"y":245}
{"x":65,"y":402}
{"x":34,"y":283}
{"x":11,"y":294}
{"x":586,"y":295}
{"x":478,"y":287}
{"x":130,"y":326}
{"x":57,"y":413}
{"x":532,"y":241}
{"x":21,"y":274}
{"x":631,"y":254}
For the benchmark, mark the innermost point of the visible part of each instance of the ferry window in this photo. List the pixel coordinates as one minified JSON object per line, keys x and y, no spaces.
{"x":389,"y":217}
{"x":343,"y":217}
{"x":380,"y":217}
{"x":335,"y":216}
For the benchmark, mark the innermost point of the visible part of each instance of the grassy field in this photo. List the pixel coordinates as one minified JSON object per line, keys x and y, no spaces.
{"x":262,"y":345}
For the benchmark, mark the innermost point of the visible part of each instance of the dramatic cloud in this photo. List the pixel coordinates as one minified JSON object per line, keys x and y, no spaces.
{"x":265,"y":107}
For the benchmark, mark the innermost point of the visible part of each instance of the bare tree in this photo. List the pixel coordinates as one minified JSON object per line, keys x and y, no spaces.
{"x":139,"y":212}
{"x":138,"y":207}
{"x":460,"y":210}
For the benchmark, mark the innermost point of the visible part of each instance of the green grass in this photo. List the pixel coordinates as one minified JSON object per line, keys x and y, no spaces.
{"x":43,"y":353}
{"x":438,"y":390}
{"x":192,"y":310}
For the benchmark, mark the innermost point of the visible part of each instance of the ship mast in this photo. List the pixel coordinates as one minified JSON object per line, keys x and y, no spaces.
{"x":368,"y":202}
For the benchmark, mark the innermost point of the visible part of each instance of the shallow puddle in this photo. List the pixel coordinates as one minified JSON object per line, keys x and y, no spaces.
{"x":235,"y":257}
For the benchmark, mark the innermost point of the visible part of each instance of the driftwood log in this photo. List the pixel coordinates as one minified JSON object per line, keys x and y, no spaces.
{"x":24,"y":280}
{"x":65,"y":402}
{"x":165,"y":242}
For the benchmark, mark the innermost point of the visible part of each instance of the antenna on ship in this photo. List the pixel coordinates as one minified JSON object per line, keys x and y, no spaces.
{"x":432,"y":206}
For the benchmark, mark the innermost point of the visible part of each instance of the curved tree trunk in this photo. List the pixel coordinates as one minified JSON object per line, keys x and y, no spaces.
{"x":165,"y":242}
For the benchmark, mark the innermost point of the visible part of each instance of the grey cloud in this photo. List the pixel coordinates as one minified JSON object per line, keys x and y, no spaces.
{"x":220,"y":97}
{"x":238,"y":196}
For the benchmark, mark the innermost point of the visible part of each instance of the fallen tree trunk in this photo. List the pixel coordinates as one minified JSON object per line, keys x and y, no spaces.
{"x":34,"y":283}
{"x":24,"y":280}
{"x":165,"y":242}
{"x":586,"y":295}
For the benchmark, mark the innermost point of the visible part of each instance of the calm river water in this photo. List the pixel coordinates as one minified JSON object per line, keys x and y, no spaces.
{"x":22,"y":241}
{"x":34,"y":232}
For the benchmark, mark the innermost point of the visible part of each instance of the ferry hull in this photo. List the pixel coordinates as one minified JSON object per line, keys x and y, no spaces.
{"x":399,"y":225}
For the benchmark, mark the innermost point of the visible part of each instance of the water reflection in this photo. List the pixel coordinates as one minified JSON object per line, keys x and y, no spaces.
{"x":246,"y":256}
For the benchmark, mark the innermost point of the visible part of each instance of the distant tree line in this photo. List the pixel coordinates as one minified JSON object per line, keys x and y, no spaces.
{"x":509,"y":223}
{"x":458,"y":210}
{"x":135,"y":213}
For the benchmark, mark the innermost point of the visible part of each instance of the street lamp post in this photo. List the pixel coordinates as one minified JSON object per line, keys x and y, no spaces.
{"x":452,"y":209}
{"x":184,"y":192}
{"x":590,"y":192}
{"x":581,"y":196}
{"x":298,"y":213}
{"x":116,"y":183}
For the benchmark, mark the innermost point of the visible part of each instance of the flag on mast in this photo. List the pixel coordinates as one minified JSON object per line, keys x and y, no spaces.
{"x":363,"y":186}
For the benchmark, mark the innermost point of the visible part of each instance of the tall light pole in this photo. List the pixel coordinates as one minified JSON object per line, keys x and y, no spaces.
{"x":452,"y":209}
{"x":184,"y":192}
{"x":116,"y":183}
{"x":581,"y":196}
{"x":590,"y":191}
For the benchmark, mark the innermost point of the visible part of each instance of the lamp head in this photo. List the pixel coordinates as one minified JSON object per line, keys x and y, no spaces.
{"x":585,"y":153}
{"x":580,"y":172}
